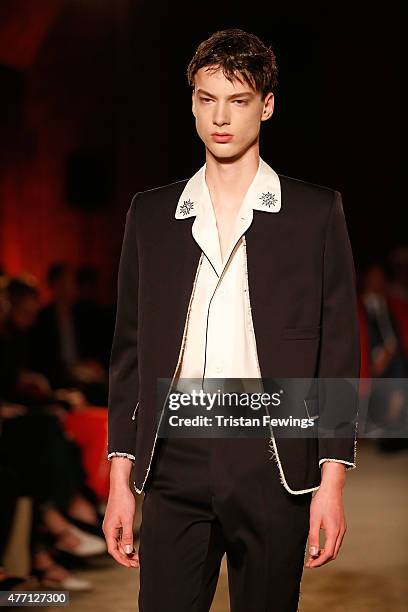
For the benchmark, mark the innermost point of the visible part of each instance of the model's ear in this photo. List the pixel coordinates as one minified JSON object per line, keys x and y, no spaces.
{"x":269,"y":103}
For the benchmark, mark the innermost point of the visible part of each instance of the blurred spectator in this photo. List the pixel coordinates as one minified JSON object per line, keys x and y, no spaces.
{"x":397,"y":289}
{"x":388,"y":357}
{"x":55,"y":336}
{"x":18,"y":381}
{"x":388,"y":360}
{"x":64,"y":506}
{"x":59,"y":349}
{"x":64,"y":514}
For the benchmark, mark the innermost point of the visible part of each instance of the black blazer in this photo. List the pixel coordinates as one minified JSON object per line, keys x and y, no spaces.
{"x":304,"y":309}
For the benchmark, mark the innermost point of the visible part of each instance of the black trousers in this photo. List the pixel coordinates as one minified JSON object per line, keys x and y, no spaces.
{"x":207,"y":497}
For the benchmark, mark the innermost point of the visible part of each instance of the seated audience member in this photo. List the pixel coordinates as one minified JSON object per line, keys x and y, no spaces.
{"x":65,"y":516}
{"x":53,"y":476}
{"x":16,"y":375}
{"x":57,"y":346}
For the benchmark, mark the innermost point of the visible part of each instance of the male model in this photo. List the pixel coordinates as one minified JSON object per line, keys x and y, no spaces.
{"x":238,"y":272}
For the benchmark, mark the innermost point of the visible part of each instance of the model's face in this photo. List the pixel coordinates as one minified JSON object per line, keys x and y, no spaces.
{"x":222,"y":107}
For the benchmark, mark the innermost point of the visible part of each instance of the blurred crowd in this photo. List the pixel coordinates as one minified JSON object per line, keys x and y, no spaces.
{"x":54,"y":361}
{"x":383,"y":315}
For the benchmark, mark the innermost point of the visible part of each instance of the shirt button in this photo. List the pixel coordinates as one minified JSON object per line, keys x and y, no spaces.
{"x":218,"y":368}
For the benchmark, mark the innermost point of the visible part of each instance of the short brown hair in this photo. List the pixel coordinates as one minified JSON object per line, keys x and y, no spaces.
{"x":236,"y":51}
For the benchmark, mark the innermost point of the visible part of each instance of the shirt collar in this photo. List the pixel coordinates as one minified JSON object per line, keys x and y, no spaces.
{"x":264,"y":192}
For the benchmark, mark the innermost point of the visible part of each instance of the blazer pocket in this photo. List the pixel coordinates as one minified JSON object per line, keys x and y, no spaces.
{"x":300,"y":333}
{"x":134,"y":412}
{"x":312,"y":408}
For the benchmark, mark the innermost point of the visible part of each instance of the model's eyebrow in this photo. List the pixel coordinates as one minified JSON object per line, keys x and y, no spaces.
{"x":236,"y":95}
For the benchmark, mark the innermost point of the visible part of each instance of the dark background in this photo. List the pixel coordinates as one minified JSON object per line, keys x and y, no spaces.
{"x":95,"y":106}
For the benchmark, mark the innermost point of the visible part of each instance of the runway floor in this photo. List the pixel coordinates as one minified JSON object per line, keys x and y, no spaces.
{"x":369,"y":574}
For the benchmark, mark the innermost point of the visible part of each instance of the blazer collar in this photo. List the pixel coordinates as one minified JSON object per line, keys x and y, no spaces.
{"x":264,"y":192}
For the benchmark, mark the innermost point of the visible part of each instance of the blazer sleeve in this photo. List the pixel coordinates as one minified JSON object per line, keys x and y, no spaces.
{"x":339,"y":356}
{"x":123,"y":364}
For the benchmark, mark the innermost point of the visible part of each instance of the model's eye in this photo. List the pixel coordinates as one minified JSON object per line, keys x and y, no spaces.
{"x":241,"y":102}
{"x":205,"y":99}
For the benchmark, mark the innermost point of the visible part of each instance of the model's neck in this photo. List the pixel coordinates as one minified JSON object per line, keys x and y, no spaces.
{"x":228,"y":180}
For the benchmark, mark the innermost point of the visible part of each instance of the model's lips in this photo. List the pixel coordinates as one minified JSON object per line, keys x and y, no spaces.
{"x":221,"y":137}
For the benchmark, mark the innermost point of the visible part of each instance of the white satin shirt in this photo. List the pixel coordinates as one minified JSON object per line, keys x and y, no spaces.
{"x":220,"y":340}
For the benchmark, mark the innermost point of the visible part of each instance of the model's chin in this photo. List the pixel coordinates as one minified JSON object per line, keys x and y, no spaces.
{"x":225,"y":150}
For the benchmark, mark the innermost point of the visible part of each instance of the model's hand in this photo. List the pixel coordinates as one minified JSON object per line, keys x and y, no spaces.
{"x":327,"y":513}
{"x":118,"y":526}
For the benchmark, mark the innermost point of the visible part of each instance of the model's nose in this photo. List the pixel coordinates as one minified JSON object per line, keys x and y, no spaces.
{"x":221,"y":114}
